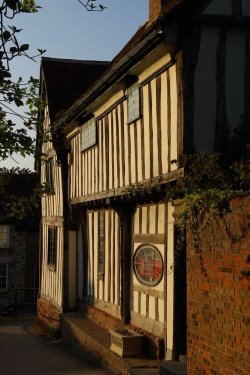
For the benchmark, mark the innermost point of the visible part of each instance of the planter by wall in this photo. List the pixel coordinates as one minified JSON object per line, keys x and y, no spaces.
{"x":126,"y":343}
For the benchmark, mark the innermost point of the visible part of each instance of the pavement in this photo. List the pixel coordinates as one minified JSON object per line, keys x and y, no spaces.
{"x":24,"y":353}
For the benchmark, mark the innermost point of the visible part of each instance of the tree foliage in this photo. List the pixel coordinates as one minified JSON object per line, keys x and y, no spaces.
{"x":19,"y":102}
{"x":20,"y":192}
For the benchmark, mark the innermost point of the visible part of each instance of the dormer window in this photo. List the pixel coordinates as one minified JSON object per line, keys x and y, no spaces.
{"x":133,"y":102}
{"x":88,"y":134}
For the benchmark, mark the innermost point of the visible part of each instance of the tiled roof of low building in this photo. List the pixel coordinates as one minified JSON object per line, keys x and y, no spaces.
{"x":67,"y":79}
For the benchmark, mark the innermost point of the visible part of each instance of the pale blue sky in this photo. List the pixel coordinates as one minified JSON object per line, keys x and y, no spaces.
{"x":66,"y":30}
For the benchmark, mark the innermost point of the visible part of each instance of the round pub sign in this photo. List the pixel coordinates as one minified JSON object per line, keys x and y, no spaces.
{"x":148,"y":265}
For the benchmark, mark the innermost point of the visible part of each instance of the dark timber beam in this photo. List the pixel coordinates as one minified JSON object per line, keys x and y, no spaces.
{"x":126,"y":213}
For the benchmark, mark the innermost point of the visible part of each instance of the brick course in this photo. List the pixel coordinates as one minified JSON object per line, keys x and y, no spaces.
{"x":218,"y":292}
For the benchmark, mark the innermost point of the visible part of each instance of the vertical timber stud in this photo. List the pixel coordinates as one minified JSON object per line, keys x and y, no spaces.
{"x":190,"y":59}
{"x":247,"y":78}
{"x":125,"y":212}
{"x":236,"y":6}
{"x":180,"y":115}
{"x":40,"y":256}
{"x":62,"y":156}
{"x":221,"y":134}
{"x":180,"y":298}
{"x":84,"y":253}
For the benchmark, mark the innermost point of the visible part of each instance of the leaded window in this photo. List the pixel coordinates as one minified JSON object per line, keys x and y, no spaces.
{"x":49,"y":173}
{"x":88,"y":134}
{"x":133,"y":102}
{"x":52,"y":246}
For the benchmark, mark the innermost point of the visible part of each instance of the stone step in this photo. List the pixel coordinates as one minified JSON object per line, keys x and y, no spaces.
{"x":173,"y":368}
{"x":92,"y":338}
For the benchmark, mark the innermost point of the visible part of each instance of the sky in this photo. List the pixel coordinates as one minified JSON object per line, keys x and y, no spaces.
{"x":66,"y":30}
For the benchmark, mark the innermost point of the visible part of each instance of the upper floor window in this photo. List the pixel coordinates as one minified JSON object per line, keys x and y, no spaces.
{"x":4,"y":236}
{"x":88,"y":134}
{"x":3,"y":277}
{"x":52,"y":246}
{"x":133,"y":102}
{"x":49,"y":173}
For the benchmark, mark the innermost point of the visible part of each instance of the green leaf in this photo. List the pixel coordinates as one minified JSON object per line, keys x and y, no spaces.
{"x":18,"y":102}
{"x":13,"y":49}
{"x":24,"y":47}
{"x":6,"y":35}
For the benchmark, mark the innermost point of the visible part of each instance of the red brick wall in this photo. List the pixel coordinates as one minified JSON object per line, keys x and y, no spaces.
{"x":49,"y":314}
{"x":153,"y":346}
{"x":218,"y":303}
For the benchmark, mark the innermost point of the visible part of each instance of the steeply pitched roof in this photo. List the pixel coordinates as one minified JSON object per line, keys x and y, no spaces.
{"x":67,"y":79}
{"x":144,"y":30}
{"x":149,"y":28}
{"x":138,"y":37}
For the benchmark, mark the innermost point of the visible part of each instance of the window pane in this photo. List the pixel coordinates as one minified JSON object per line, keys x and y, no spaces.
{"x":49,"y":173}
{"x":4,"y":236}
{"x":52,"y":246}
{"x":88,"y":134}
{"x":133,"y":102}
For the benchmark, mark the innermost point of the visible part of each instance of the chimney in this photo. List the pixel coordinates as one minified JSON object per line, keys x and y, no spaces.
{"x":155,"y":7}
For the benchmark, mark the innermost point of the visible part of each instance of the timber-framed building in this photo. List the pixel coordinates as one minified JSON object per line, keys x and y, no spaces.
{"x":177,"y":87}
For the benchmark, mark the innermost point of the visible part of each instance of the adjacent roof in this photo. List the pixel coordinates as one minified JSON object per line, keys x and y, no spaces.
{"x":67,"y":79}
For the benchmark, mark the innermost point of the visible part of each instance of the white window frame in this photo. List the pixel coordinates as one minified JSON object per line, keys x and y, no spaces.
{"x":4,"y":236}
{"x":88,"y":134}
{"x":133,"y":101}
{"x":4,"y":276}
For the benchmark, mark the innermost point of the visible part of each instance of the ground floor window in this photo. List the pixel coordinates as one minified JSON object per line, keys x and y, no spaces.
{"x":3,"y":276}
{"x":52,"y":246}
